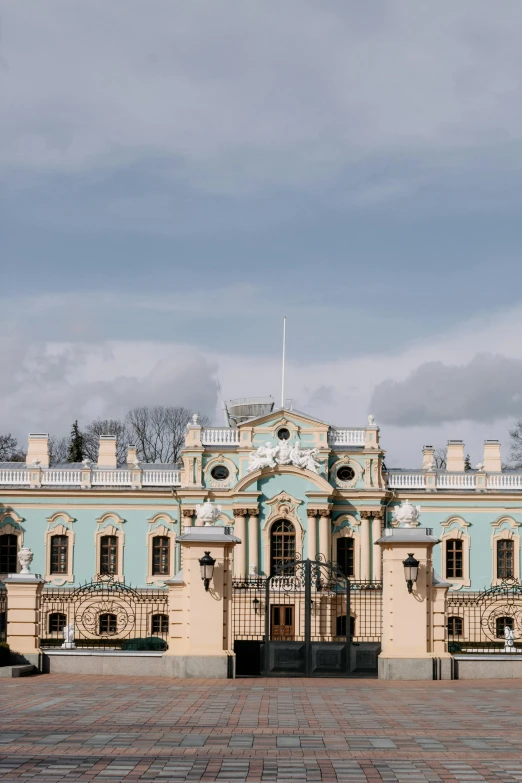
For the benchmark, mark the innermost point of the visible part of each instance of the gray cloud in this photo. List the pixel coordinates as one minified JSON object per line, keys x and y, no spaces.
{"x":47,"y":386}
{"x":489,"y":388}
{"x":245,"y":96}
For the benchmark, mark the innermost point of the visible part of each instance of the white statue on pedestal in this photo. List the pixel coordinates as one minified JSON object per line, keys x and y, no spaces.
{"x":68,"y":637}
{"x":208,"y":513}
{"x":371,"y":421}
{"x":407,"y":515}
{"x":509,"y":640}
{"x":25,"y":558}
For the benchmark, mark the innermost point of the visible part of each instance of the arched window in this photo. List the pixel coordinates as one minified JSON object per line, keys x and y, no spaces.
{"x":501,"y":623}
{"x":8,"y":552}
{"x":59,"y":553}
{"x":455,"y":626}
{"x":282,"y":545}
{"x":107,"y":624}
{"x":345,"y":555}
{"x":160,"y":623}
{"x":109,"y":555}
{"x":505,"y":549}
{"x":454,"y":558}
{"x":160,"y":555}
{"x":57,"y":622}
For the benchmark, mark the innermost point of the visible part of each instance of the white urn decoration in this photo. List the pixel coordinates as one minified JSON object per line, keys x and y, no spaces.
{"x":407,"y":515}
{"x":25,"y":558}
{"x":208,"y":513}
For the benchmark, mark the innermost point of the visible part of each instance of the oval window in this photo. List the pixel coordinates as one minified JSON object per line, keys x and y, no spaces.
{"x":220,"y":472}
{"x":346,"y":473}
{"x":283,"y":434}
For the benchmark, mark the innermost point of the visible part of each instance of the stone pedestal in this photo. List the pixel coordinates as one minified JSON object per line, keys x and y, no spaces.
{"x":200,"y":627}
{"x":412,"y":635}
{"x":23,"y":609}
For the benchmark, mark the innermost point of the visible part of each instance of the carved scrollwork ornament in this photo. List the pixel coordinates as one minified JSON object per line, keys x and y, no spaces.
{"x":311,"y":512}
{"x":187,"y":512}
{"x":253,"y":512}
{"x":365,"y":514}
{"x":324,"y":512}
{"x":240,"y":512}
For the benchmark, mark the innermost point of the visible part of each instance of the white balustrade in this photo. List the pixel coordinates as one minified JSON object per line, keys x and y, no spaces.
{"x":17,"y":476}
{"x":406,"y":480}
{"x":224,"y":436}
{"x":455,"y":481}
{"x":63,"y":477}
{"x":504,"y":481}
{"x":353,"y":437}
{"x":111,"y":478}
{"x":161,"y":478}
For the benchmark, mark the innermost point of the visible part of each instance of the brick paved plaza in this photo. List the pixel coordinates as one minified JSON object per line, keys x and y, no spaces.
{"x":62,"y":728}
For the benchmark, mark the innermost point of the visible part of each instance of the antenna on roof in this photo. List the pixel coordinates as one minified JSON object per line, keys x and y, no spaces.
{"x":283,"y":372}
{"x":223,"y":404}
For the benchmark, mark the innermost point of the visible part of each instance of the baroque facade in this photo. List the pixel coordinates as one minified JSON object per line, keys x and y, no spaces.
{"x":285,"y":483}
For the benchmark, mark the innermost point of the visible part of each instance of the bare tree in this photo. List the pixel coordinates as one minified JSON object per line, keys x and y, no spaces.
{"x":515,"y":455}
{"x":58,"y":450}
{"x":91,"y":438}
{"x":9,"y":451}
{"x":440,"y":456}
{"x":158,"y":432}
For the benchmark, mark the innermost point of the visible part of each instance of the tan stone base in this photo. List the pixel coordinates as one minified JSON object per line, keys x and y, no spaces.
{"x":425,"y":668}
{"x":138,"y":664}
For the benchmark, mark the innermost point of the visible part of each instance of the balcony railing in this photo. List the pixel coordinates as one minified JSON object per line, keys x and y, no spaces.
{"x":96,"y":477}
{"x":353,"y":437}
{"x":406,"y":481}
{"x":220,"y":436}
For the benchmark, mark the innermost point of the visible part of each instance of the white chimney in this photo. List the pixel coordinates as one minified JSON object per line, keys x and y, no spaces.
{"x":107,"y":452}
{"x":428,"y":456}
{"x":38,"y":449}
{"x":492,"y":458}
{"x":455,"y":456}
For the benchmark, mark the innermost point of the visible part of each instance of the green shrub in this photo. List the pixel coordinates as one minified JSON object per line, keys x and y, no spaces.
{"x":148,"y":643}
{"x":5,"y":654}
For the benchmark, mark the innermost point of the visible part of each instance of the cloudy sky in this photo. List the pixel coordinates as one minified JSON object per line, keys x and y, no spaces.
{"x":176,"y":176}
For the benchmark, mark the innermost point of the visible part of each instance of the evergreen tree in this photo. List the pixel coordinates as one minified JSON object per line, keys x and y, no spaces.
{"x":75,"y":453}
{"x":467,"y":462}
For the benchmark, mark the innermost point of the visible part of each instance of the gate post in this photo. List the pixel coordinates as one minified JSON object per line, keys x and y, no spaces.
{"x":23,"y":607}
{"x":411,"y":637}
{"x":200,"y":627}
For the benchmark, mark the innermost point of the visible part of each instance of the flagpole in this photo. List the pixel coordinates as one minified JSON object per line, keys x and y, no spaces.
{"x":283,"y":372}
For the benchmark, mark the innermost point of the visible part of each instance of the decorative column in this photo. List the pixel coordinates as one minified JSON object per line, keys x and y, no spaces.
{"x":188,"y":515}
{"x":311,"y":513}
{"x":253,"y":541}
{"x":377,"y":553}
{"x":200,"y":627}
{"x":240,"y":559}
{"x":23,"y":609}
{"x":365,"y":544}
{"x":325,"y":533}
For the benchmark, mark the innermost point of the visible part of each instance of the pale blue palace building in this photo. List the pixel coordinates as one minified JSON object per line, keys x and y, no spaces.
{"x":286,"y":483}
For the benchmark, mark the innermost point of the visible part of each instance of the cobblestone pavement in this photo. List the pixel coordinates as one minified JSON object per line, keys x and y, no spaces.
{"x":62,"y":728}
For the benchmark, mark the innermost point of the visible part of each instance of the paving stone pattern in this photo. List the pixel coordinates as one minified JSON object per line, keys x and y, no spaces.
{"x":62,"y":728}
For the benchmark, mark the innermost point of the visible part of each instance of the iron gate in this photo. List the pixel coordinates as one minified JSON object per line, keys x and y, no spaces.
{"x":3,"y":613}
{"x":309,"y":620}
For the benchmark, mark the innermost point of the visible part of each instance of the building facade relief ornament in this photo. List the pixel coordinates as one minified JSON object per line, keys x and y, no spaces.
{"x":406,"y":515}
{"x":25,"y":558}
{"x":253,"y":512}
{"x":240,"y":512}
{"x":371,"y":421}
{"x":269,"y":456}
{"x":188,"y":513}
{"x":207,"y":512}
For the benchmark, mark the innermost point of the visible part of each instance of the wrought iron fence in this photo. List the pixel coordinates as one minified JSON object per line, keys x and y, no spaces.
{"x":477,"y":622}
{"x":104,"y":615}
{"x":3,"y":613}
{"x":328,"y":609}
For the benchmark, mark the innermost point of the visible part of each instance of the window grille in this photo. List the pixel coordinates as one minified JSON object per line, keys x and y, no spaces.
{"x":160,"y":623}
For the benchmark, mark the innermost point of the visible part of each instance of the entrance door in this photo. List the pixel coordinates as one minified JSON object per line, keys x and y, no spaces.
{"x":282,"y":622}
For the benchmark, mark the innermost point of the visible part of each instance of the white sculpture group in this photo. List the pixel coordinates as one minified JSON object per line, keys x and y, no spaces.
{"x":68,"y":637}
{"x":407,"y":515}
{"x":268,"y":456}
{"x":207,"y":513}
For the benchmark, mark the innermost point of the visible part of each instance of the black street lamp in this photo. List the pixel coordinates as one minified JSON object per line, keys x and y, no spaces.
{"x":411,"y":570}
{"x":206,"y":563}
